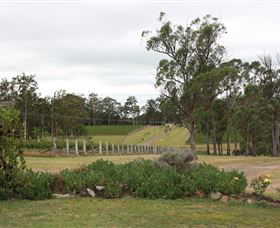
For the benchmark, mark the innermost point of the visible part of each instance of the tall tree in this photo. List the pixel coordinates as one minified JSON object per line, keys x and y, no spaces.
{"x":131,"y":108}
{"x":192,"y":71}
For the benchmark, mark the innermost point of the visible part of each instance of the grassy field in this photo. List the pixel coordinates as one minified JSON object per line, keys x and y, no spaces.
{"x":160,"y":136}
{"x":128,"y":212}
{"x":111,"y":129}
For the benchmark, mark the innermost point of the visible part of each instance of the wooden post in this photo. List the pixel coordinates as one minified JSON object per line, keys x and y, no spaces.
{"x":107,"y":148}
{"x":119,"y":149}
{"x":54,"y":144}
{"x":113,"y":148}
{"x":76,"y":147}
{"x":127,"y":149}
{"x":67,"y":146}
{"x":85,"y":147}
{"x":100,"y":147}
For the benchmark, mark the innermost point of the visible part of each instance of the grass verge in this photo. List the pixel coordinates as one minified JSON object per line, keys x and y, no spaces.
{"x":88,"y":212}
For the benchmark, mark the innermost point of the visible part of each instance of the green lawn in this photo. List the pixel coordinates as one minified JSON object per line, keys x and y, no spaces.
{"x":111,"y":129}
{"x":128,"y":212}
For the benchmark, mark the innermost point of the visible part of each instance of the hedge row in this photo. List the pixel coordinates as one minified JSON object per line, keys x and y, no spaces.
{"x":140,"y":178}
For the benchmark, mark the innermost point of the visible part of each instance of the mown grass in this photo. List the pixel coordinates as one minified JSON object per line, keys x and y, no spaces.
{"x":127,"y":212}
{"x":111,"y":129}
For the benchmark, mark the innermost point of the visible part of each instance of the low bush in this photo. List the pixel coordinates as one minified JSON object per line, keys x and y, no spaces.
{"x":139,"y":178}
{"x":38,"y":185}
{"x":181,"y":161}
{"x":207,"y":178}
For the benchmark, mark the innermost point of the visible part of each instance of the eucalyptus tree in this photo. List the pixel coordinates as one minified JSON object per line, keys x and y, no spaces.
{"x":192,"y":72}
{"x":94,"y":106}
{"x":131,"y":108}
{"x":24,"y":89}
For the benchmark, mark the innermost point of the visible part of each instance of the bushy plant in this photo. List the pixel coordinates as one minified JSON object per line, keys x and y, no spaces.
{"x":147,"y":180}
{"x":207,"y":178}
{"x":181,"y":161}
{"x":259,"y":184}
{"x":38,"y":185}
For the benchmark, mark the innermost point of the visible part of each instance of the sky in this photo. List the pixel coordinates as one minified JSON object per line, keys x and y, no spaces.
{"x":87,"y":46}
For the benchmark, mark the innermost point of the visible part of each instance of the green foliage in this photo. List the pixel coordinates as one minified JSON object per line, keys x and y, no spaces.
{"x":207,"y":178}
{"x":38,"y":186}
{"x":259,"y":184}
{"x":147,"y":180}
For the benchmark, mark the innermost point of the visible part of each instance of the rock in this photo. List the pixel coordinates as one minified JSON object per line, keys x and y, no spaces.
{"x":83,"y":193}
{"x":225,"y":198}
{"x":99,"y":188}
{"x":60,"y":196}
{"x":90,"y":192}
{"x":250,"y":201}
{"x":199,"y":194}
{"x":215,"y":195}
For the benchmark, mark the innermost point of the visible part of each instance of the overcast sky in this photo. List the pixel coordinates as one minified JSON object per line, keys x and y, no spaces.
{"x":96,"y":47}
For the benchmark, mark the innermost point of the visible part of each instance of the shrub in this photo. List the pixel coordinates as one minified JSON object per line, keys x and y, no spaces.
{"x":181,"y":161}
{"x":208,"y":178}
{"x":145,"y":179}
{"x":259,"y":184}
{"x":38,"y":185}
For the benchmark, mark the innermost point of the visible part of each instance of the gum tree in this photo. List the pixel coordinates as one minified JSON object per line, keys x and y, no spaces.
{"x":192,"y":75}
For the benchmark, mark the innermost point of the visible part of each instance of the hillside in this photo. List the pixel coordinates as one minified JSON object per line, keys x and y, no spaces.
{"x":172,"y":136}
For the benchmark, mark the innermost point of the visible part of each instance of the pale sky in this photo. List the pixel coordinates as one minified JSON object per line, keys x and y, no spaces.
{"x":86,"y":47}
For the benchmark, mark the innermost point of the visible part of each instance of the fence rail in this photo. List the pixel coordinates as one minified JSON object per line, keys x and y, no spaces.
{"x":105,"y":148}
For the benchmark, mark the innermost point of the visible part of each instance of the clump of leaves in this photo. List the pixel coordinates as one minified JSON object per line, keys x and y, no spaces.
{"x":181,"y":161}
{"x":259,"y":184}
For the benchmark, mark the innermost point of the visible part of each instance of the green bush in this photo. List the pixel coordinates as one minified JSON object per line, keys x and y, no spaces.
{"x":38,"y":185}
{"x":208,"y":178}
{"x":145,"y":179}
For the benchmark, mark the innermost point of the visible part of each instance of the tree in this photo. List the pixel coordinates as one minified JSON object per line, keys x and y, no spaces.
{"x":193,"y":72}
{"x":131,"y":109}
{"x":94,"y":106}
{"x":111,"y":108}
{"x":24,"y":89}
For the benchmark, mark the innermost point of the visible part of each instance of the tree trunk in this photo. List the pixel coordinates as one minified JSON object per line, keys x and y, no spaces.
{"x":192,"y":137}
{"x":275,"y":139}
{"x":235,"y":141}
{"x":228,"y":140}
{"x":207,"y":138}
{"x":247,"y":142}
{"x":25,"y":115}
{"x":214,"y":140}
{"x":254,"y":150}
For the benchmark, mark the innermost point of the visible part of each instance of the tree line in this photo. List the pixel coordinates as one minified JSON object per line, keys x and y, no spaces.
{"x":67,"y":113}
{"x":215,"y":95}
{"x":228,"y":101}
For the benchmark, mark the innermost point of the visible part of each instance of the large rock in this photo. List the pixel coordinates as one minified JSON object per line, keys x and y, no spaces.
{"x":99,"y":188}
{"x":225,"y":198}
{"x":60,"y":196}
{"x":215,"y":195}
{"x":91,"y":192}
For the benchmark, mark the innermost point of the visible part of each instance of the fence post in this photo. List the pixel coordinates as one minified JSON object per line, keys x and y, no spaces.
{"x":54,"y":144}
{"x":76,"y":147}
{"x":67,"y":146}
{"x":127,"y":149}
{"x":107,"y":149}
{"x":85,"y":147}
{"x":119,"y":149}
{"x":113,"y":148}
{"x":100,"y":147}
